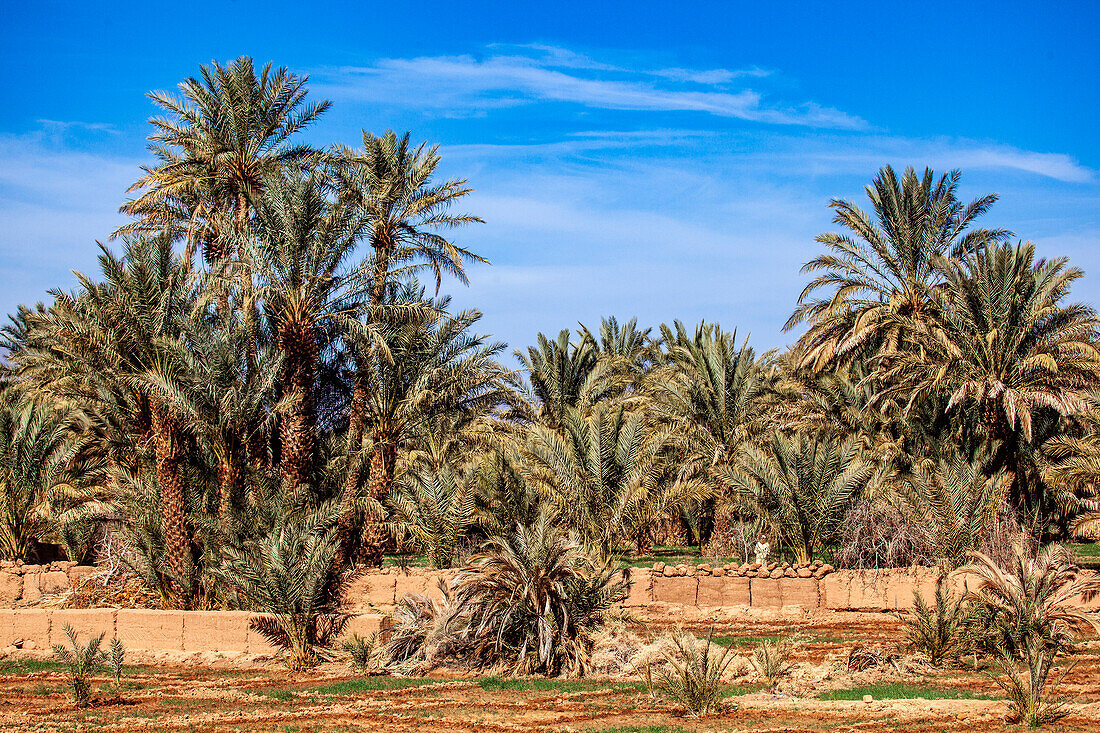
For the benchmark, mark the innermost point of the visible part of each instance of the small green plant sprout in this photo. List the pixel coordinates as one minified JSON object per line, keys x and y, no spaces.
{"x":692,"y":673}
{"x":114,"y":658}
{"x":939,"y":631}
{"x":81,"y":661}
{"x":360,"y":651}
{"x":772,"y":660}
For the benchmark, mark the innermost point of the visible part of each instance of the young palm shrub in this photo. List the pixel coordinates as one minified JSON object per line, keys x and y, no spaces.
{"x":289,"y":575}
{"x":533,"y":600}
{"x":692,"y":673}
{"x":81,"y":661}
{"x":803,"y":486}
{"x":939,"y":631}
{"x":435,"y":506}
{"x":772,"y":660}
{"x":360,"y":651}
{"x":115,"y":658}
{"x":1033,"y":622}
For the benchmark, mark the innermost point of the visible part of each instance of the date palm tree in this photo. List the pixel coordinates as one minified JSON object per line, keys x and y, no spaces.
{"x":1008,"y":345}
{"x":303,"y":246}
{"x":225,"y":137}
{"x":391,"y":183}
{"x":802,"y":486}
{"x":710,"y":392}
{"x":879,"y":280}
{"x":423,"y":366}
{"x":95,"y":350}
{"x":606,"y":474}
{"x":228,"y":405}
{"x":38,"y":456}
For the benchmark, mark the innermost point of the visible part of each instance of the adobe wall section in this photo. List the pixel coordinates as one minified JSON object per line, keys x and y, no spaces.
{"x":142,"y":630}
{"x":811,"y":587}
{"x":832,"y":590}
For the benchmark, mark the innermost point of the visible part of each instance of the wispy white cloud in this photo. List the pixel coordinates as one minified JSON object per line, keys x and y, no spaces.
{"x":557,"y":75}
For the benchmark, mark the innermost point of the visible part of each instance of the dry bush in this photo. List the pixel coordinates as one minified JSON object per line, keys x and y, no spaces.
{"x":877,"y":535}
{"x":772,"y":660}
{"x":531,"y":603}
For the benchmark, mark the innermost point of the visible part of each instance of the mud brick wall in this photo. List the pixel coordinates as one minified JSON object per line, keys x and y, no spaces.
{"x":152,"y":631}
{"x":811,"y":587}
{"x":825,"y":589}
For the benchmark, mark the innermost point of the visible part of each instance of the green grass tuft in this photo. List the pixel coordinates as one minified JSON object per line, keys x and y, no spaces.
{"x":29,"y":666}
{"x":900,"y":691}
{"x":372,"y":684}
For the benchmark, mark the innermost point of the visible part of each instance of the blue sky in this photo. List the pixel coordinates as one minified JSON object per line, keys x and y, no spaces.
{"x":659,"y":160}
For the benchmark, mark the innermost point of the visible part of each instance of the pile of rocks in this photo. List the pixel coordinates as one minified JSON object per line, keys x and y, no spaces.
{"x":816,"y":569}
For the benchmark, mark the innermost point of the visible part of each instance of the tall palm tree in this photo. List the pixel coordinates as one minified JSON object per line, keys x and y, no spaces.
{"x":606,"y":474}
{"x":425,"y":366}
{"x":880,"y":279}
{"x":1006,"y":344}
{"x":710,"y":391}
{"x":95,"y":352}
{"x":392,"y":184}
{"x":304,"y":242}
{"x":802,"y":486}
{"x":223,"y":402}
{"x":227,"y":135}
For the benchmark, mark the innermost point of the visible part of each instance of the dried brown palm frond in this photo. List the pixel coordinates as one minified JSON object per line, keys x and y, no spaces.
{"x":533,"y":599}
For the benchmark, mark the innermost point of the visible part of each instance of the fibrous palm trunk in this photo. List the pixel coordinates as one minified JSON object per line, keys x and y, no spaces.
{"x":230,"y":483}
{"x":170,"y":456}
{"x":299,"y":346}
{"x":374,"y":536}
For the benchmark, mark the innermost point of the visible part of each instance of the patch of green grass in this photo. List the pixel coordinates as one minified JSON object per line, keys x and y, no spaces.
{"x":277,"y":694}
{"x":371,"y":684}
{"x":497,"y":684}
{"x":27,"y":666}
{"x":900,"y":691}
{"x":737,"y":641}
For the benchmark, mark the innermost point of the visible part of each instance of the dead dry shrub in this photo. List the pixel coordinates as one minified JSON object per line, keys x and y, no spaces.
{"x":876,"y":535}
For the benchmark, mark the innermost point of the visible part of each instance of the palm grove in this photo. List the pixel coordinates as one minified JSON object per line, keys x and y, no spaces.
{"x":258,"y":395}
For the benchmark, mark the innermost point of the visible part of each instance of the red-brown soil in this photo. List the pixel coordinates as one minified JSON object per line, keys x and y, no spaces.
{"x":264,"y":697}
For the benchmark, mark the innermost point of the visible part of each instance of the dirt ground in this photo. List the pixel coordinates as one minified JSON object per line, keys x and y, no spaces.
{"x":244,"y":694}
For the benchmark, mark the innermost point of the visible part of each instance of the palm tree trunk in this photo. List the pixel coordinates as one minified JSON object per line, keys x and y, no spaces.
{"x":170,"y":456}
{"x":230,"y":483}
{"x":356,"y":418}
{"x":299,"y":346}
{"x":382,"y":465}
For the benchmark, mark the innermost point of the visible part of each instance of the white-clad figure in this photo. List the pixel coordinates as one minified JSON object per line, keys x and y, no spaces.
{"x":762,"y":549}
